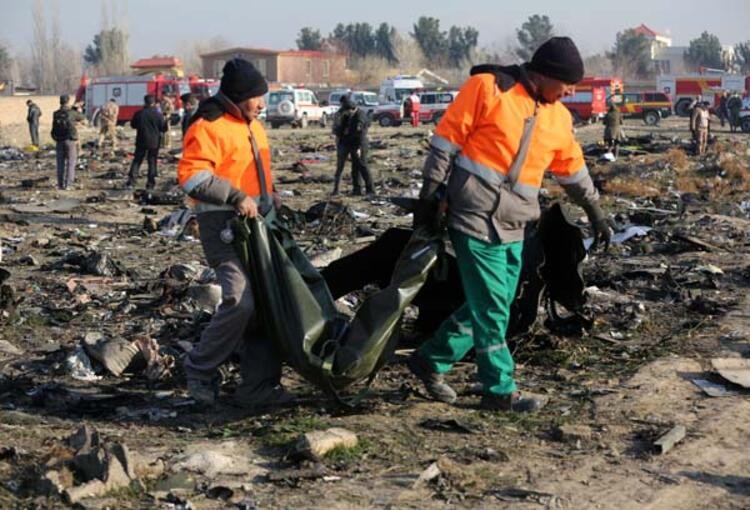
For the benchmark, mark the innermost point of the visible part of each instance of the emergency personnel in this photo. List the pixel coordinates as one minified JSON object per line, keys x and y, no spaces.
{"x":225,"y":165}
{"x":149,"y":125}
{"x":702,"y":124}
{"x":613,"y":129}
{"x":486,"y":163}
{"x":167,"y":109}
{"x":695,"y":109}
{"x":108,"y":124}
{"x":414,"y":107}
{"x":65,"y":134}
{"x":350,"y":129}
{"x":32,"y":117}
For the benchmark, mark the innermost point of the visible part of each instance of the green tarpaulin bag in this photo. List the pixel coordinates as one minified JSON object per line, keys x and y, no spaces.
{"x":297,"y":311}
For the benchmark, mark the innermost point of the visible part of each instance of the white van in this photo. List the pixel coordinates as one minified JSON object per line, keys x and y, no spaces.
{"x":395,"y":89}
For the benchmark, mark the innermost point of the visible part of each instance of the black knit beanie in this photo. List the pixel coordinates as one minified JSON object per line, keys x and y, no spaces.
{"x":241,"y":81}
{"x":558,"y":58}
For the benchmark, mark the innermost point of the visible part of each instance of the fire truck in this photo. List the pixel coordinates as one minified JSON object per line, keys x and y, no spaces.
{"x":684,"y":89}
{"x":129,"y":91}
{"x":590,"y":99}
{"x":203,"y":88}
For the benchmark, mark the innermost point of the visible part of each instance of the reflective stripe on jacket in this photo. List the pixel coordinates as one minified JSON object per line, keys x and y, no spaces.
{"x":221,"y":149}
{"x":498,"y":144}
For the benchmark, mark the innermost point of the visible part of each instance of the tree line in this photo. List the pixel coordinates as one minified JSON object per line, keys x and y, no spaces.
{"x":53,"y":65}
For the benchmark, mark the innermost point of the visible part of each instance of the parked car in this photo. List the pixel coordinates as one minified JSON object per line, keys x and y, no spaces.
{"x":296,"y":107}
{"x":745,"y":115}
{"x":649,"y":106}
{"x":367,"y":101}
{"x":432,"y":107}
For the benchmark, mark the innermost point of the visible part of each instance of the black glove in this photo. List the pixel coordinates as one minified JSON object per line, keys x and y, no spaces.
{"x":599,"y":226}
{"x":425,"y":212}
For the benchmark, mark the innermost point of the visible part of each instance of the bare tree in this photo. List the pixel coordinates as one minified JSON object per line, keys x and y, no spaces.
{"x":40,"y":53}
{"x":55,"y":65}
{"x":191,"y":56}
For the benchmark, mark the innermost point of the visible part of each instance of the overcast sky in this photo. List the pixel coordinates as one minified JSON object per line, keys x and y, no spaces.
{"x":166,"y":26}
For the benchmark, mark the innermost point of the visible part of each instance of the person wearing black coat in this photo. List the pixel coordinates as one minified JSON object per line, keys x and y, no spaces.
{"x":149,"y":125}
{"x":350,"y":129}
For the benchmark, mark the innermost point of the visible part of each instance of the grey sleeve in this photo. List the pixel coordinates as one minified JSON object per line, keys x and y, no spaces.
{"x":437,"y":168}
{"x":206,"y":187}
{"x":582,"y":192}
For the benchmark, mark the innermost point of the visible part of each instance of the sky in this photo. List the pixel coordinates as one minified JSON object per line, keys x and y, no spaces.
{"x":168,"y":26}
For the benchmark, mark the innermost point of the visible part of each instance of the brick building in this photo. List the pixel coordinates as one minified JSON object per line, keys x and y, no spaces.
{"x":312,"y":68}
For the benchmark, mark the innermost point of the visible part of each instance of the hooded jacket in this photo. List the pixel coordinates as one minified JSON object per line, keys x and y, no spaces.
{"x":219,"y":167}
{"x":491,"y":150}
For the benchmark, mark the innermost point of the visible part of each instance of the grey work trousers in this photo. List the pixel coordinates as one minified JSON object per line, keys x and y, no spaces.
{"x":233,"y":328}
{"x":34,"y":132}
{"x":67,"y":158}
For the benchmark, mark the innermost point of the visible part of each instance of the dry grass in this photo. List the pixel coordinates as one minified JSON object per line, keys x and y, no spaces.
{"x":688,"y":184}
{"x":13,"y":127}
{"x":677,"y":159}
{"x":631,"y":187}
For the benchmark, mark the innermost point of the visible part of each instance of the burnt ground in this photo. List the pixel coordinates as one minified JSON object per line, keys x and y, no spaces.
{"x":663,"y":305}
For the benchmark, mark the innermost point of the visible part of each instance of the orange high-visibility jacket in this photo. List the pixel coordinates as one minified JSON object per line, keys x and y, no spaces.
{"x":492,"y":148}
{"x":219,"y":152}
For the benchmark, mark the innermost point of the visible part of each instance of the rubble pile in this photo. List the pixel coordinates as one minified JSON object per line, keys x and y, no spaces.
{"x":103,"y":290}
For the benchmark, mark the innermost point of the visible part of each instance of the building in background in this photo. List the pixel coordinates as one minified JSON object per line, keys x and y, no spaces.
{"x":311,"y":68}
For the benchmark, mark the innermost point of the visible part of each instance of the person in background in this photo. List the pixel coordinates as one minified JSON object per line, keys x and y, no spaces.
{"x":350,"y":130}
{"x":414,"y":107}
{"x":108,"y":125}
{"x":189,"y":104}
{"x":65,"y":134}
{"x":149,"y":125}
{"x":167,"y":109}
{"x":32,"y":117}
{"x":613,"y":129}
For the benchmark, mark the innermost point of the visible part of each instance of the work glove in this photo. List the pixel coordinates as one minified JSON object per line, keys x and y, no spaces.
{"x":599,"y":226}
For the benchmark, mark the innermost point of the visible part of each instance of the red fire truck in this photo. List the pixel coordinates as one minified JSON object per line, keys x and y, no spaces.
{"x":129,"y":91}
{"x":590,"y":99}
{"x":203,"y":88}
{"x":684,"y":89}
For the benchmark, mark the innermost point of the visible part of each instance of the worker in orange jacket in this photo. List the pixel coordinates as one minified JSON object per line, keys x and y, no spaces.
{"x":486,"y":163}
{"x":226,"y":169}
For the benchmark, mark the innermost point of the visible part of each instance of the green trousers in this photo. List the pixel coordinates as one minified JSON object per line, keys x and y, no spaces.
{"x":489,"y":275}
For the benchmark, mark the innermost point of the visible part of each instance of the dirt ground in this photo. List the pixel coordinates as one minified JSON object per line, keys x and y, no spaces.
{"x":13,"y":128}
{"x":663,"y":305}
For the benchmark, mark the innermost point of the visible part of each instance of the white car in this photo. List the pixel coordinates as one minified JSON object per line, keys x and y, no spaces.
{"x":367,"y":101}
{"x":296,"y":107}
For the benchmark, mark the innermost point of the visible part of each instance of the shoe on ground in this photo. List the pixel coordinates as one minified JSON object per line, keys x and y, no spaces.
{"x":203,"y":392}
{"x":433,"y":382}
{"x":268,"y":397}
{"x":513,"y":402}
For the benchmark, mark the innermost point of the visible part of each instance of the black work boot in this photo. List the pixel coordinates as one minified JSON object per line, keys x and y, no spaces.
{"x":262,"y":398}
{"x":512,"y":402}
{"x":433,"y":382}
{"x":203,"y":392}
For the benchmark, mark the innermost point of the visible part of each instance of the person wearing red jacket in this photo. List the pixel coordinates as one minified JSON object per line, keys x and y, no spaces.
{"x":226,"y":170}
{"x":486,"y":163}
{"x":415,"y":106}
